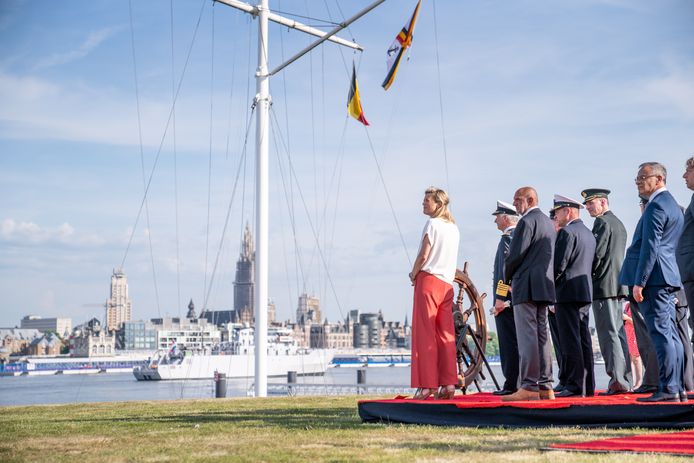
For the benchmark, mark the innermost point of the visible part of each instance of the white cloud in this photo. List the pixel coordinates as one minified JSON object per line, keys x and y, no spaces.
{"x":30,"y":233}
{"x":90,"y":43}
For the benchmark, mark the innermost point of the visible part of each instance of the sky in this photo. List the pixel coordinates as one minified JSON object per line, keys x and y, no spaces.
{"x":562,"y":96}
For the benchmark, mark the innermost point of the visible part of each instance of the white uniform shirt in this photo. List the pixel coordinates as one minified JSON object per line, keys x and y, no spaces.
{"x":443,"y":257}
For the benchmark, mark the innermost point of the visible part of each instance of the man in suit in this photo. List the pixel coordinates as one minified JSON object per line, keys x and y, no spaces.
{"x":610,"y":243}
{"x":506,"y":218}
{"x":685,"y":247}
{"x":529,"y":268}
{"x":651,"y":376}
{"x":650,"y":268}
{"x":573,"y":261}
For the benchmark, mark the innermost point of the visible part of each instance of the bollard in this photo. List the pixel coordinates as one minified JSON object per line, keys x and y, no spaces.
{"x":220,"y":385}
{"x":361,"y":379}
{"x":291,"y":379}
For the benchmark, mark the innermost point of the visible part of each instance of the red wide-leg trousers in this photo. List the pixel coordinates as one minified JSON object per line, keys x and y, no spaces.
{"x":433,"y":334}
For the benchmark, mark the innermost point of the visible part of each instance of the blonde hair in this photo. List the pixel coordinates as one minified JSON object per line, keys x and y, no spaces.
{"x":690,"y":163}
{"x":440,"y":197}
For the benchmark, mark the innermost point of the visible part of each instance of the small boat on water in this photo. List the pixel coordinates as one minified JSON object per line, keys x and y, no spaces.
{"x":236,"y":359}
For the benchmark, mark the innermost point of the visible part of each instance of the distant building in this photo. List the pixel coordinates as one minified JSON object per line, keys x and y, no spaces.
{"x":17,"y":340}
{"x":90,"y":340}
{"x":367,"y":333}
{"x":137,"y":335}
{"x":186,"y":334}
{"x":308,"y":310}
{"x":244,"y":281}
{"x":330,"y":336}
{"x":48,"y":344}
{"x":118,"y":306}
{"x":61,"y":326}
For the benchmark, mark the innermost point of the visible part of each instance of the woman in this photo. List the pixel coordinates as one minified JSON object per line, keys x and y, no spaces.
{"x":433,"y":272}
{"x":636,"y":362}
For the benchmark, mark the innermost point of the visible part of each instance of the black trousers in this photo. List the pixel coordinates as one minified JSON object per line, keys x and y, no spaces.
{"x":554,"y":332}
{"x":508,"y":348}
{"x":576,"y":347}
{"x":683,"y":332}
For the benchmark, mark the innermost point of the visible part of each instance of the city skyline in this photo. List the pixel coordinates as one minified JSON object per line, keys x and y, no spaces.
{"x":560,"y":96}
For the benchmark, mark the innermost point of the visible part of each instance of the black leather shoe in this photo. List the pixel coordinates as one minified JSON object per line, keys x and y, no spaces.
{"x":566,"y":393}
{"x":645,"y":389}
{"x":503,"y":392}
{"x":683,"y":397}
{"x":612,"y":392}
{"x":660,"y":397}
{"x":559,"y":388}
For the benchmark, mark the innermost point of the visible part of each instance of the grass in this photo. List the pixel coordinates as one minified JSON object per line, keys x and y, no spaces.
{"x":272,"y":429}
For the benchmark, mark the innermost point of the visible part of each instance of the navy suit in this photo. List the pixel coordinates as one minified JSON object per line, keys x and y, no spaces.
{"x":573,"y":263}
{"x":529,"y":268}
{"x":505,"y":323}
{"x":650,"y":262}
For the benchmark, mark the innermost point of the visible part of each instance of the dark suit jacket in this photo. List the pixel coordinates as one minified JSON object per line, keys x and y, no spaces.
{"x":529,"y":265}
{"x":573,"y":263}
{"x":650,"y":260}
{"x":610,"y":243}
{"x":499,"y":260}
{"x":685,"y":247}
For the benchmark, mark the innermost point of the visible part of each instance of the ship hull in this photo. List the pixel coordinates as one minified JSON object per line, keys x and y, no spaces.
{"x":314,"y":362}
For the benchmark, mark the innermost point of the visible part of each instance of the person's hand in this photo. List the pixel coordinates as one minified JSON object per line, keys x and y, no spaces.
{"x":499,"y":307}
{"x":637,"y":292}
{"x":412,"y":278}
{"x":552,"y":309}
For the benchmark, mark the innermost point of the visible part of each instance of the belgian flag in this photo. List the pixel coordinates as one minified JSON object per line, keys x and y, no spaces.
{"x":353,"y":101}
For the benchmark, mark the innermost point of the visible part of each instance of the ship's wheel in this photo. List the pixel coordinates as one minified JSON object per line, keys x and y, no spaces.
{"x":470,"y":330}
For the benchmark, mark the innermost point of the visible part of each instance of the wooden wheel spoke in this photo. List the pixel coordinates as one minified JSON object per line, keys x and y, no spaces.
{"x":470,"y":318}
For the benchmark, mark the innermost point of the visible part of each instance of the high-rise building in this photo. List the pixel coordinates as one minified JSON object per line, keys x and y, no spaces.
{"x":118,"y":306}
{"x":244,"y":282}
{"x":308,"y":311}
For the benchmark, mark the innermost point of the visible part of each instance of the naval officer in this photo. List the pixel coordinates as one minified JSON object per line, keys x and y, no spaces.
{"x":573,"y":261}
{"x":506,"y":219}
{"x":610,"y":243}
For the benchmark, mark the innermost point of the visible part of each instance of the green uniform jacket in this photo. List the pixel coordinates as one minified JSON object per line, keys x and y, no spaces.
{"x":611,"y":240}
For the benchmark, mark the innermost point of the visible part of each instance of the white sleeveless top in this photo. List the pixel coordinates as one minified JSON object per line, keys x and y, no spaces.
{"x":443,"y":257}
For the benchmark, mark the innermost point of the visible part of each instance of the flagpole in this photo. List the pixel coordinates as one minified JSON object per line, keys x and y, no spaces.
{"x":262,"y":102}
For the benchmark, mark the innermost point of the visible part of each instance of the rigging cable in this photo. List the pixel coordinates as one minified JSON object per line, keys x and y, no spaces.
{"x":209,"y":164}
{"x":142,"y":157}
{"x":175,"y":161}
{"x":242,"y":162}
{"x":308,"y":217}
{"x":438,"y":76}
{"x":163,"y":137}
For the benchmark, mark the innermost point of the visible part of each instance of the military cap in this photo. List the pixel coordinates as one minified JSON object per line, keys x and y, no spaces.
{"x":592,"y":193}
{"x":562,"y":201}
{"x":504,"y":208}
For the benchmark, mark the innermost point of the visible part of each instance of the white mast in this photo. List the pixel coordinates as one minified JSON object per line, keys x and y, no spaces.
{"x":262,"y":132}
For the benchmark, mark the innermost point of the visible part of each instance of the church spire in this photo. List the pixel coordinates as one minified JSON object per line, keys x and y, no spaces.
{"x":247,"y":250}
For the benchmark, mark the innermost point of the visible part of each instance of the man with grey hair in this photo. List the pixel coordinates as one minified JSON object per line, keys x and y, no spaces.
{"x":650,"y":269}
{"x":611,"y":239}
{"x":506,"y":219}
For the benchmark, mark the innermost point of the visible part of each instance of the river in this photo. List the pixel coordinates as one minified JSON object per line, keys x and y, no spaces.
{"x":115,"y":387}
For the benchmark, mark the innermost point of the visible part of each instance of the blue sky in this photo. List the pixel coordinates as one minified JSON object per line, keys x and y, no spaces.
{"x":558,"y":95}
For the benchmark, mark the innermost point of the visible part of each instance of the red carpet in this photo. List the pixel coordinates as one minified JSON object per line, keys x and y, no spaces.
{"x":487,"y":410}
{"x":676,"y":443}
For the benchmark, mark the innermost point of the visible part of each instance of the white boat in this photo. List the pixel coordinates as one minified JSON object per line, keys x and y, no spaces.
{"x":236,"y":359}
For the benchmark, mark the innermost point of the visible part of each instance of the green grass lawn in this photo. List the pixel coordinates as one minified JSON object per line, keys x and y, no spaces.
{"x":268,"y":429}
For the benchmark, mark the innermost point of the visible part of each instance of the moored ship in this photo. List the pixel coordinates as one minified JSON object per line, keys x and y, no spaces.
{"x":236,"y":359}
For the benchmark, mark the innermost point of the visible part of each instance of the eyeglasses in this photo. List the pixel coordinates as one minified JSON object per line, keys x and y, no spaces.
{"x":642,"y":178}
